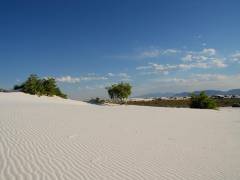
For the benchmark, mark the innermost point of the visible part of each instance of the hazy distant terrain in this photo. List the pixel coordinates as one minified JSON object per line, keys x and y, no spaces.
{"x":182,"y":94}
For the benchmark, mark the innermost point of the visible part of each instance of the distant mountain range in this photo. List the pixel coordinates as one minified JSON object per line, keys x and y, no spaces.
{"x":182,"y":94}
{"x":156,"y":95}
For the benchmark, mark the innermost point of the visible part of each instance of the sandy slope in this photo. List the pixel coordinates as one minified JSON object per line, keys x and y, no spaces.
{"x":50,"y":138}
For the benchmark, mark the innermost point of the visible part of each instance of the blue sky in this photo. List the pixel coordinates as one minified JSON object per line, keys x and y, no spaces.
{"x":156,"y":45}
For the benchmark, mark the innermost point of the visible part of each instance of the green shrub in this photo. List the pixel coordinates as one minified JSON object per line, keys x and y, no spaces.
{"x":162,"y":103}
{"x":96,"y":100}
{"x":202,"y":101}
{"x":236,"y":105}
{"x":34,"y":85}
{"x":119,"y":92}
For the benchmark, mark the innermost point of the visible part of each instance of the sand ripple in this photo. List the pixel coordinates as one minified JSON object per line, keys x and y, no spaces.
{"x":69,"y":141}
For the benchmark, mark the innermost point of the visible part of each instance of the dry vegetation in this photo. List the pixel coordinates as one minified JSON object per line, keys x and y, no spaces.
{"x":182,"y":103}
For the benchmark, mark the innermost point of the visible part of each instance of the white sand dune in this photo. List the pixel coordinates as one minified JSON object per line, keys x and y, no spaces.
{"x":19,"y":97}
{"x":51,"y":138}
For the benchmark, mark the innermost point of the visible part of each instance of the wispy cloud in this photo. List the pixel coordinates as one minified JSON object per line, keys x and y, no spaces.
{"x":236,"y":57}
{"x":200,"y":79}
{"x":93,"y":77}
{"x":208,"y":52}
{"x":204,"y":59}
{"x":217,"y":63}
{"x":70,"y":79}
{"x":150,"y":53}
{"x":147,"y":53}
{"x":204,"y":55}
{"x":120,"y":76}
{"x":209,"y":77}
{"x":153,"y":68}
{"x":156,"y":52}
{"x":171,"y":51}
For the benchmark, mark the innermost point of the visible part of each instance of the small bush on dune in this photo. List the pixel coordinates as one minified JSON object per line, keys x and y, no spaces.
{"x":236,"y":105}
{"x":119,"y":92}
{"x":202,"y":101}
{"x":97,"y":100}
{"x":3,"y":90}
{"x":34,"y":85}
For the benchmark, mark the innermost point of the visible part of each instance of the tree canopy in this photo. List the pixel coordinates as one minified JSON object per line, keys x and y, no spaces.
{"x":202,"y":101}
{"x":119,"y":92}
{"x":45,"y":86}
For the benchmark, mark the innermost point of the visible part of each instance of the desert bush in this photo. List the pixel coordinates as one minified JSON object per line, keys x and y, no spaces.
{"x":34,"y":85}
{"x":236,"y":105}
{"x":202,"y":101}
{"x":227,"y":102}
{"x":96,"y":100}
{"x":119,"y":92}
{"x":162,"y":103}
{"x":182,"y":102}
{"x":3,"y":90}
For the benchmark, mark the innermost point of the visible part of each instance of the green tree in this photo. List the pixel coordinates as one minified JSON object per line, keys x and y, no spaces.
{"x":119,"y":92}
{"x":35,"y":85}
{"x":32,"y":85}
{"x":59,"y":93}
{"x":202,"y":101}
{"x":49,"y":86}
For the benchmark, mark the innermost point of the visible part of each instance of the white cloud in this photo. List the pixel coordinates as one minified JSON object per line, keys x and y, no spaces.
{"x":209,"y":51}
{"x":93,"y":78}
{"x":68,"y":79}
{"x":73,"y":80}
{"x":144,"y":67}
{"x":94,"y":86}
{"x":204,"y":55}
{"x":156,"y":52}
{"x":187,"y":58}
{"x":170,"y":51}
{"x":154,"y":68}
{"x":218,"y":63}
{"x":209,"y":77}
{"x":190,"y":57}
{"x":199,"y":78}
{"x":150,"y":53}
{"x":110,"y":74}
{"x":236,"y":57}
{"x":89,"y":88}
{"x":122,"y":76}
{"x":198,"y":81}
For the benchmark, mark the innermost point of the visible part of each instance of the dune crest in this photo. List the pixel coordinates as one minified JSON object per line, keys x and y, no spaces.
{"x":24,"y":98}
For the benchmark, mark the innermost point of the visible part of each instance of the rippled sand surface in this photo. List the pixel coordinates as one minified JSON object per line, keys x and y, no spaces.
{"x":50,"y":138}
